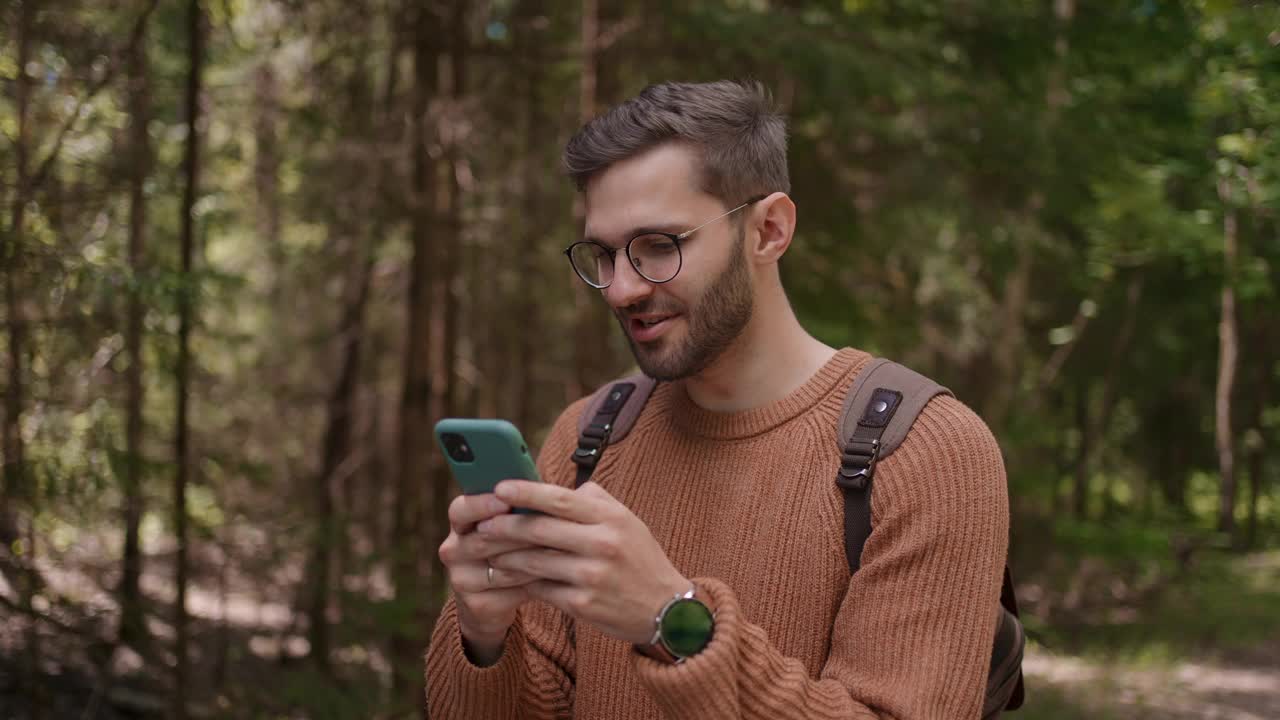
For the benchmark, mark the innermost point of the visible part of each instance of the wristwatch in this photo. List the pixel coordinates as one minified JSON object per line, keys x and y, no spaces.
{"x":682,"y":628}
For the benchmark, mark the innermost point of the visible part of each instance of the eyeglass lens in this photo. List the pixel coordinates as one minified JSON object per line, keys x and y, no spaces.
{"x":655,"y":257}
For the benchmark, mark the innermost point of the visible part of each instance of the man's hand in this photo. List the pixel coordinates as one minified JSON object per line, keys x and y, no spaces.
{"x":596,"y":560}
{"x":486,"y":605}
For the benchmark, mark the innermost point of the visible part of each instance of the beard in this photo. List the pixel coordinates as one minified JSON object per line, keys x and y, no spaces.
{"x":716,"y":320}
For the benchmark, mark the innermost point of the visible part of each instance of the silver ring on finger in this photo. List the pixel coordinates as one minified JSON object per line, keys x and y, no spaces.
{"x":490,"y":573}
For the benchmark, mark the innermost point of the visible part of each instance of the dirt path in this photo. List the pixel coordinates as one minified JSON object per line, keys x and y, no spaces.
{"x":1184,"y":690}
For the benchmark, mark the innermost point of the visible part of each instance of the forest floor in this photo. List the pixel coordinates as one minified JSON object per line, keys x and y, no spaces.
{"x":1063,"y":687}
{"x":1205,"y":645}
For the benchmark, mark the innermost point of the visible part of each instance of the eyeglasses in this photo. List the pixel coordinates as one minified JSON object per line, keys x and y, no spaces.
{"x":655,"y":255}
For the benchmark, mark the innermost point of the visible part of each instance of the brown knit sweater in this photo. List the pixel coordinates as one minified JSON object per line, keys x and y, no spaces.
{"x":746,"y":505}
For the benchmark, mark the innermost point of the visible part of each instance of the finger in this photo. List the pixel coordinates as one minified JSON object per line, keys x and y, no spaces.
{"x":479,"y":546}
{"x":545,"y":564}
{"x":467,"y":510}
{"x":551,"y":499}
{"x":488,"y":612}
{"x":591,"y":489}
{"x":540,"y":530}
{"x":474,"y":578}
{"x":563,"y":597}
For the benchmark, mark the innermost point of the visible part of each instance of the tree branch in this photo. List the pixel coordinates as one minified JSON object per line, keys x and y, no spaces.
{"x":108,"y":75}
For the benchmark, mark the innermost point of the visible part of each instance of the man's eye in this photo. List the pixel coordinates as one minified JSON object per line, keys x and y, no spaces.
{"x":659,"y":245}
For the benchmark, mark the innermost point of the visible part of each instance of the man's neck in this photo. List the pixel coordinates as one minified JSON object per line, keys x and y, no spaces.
{"x":772,"y":357}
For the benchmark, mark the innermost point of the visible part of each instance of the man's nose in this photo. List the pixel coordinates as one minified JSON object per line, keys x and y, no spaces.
{"x":627,"y":287}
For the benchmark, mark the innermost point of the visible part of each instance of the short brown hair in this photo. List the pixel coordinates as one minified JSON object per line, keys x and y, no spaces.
{"x":733,"y":126}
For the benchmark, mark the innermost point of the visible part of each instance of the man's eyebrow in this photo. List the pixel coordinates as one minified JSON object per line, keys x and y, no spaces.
{"x":665,"y":228}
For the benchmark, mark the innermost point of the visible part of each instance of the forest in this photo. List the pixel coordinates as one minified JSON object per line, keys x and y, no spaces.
{"x":251,"y":251}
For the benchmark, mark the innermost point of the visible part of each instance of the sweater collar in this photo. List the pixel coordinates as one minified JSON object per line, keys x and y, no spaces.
{"x":689,"y":417}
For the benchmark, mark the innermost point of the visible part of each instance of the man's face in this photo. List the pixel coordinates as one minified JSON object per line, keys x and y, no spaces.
{"x":678,"y":328}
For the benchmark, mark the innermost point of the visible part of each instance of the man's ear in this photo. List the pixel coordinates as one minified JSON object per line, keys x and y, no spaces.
{"x":775,"y":222}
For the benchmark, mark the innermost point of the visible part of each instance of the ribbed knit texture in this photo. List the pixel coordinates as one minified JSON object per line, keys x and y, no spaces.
{"x":746,"y":505}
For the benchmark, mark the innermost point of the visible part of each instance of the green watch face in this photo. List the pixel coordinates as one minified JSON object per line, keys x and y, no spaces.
{"x":686,"y":627}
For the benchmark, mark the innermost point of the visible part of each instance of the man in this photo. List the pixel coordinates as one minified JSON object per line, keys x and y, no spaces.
{"x":721,"y":501}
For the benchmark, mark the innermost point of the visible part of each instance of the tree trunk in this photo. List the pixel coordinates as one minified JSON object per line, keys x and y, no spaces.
{"x":336,"y":454}
{"x":16,"y":489}
{"x":337,"y":457}
{"x":592,"y":327}
{"x":534,"y":172}
{"x":1009,"y":347}
{"x":11,"y":255}
{"x":132,"y":629}
{"x":38,"y":691}
{"x":1119,"y":351}
{"x":437,"y":525}
{"x":1171,"y":466}
{"x":415,"y":401}
{"x":1228,"y":352}
{"x":266,"y":179}
{"x":589,"y":31}
{"x":361,"y":492}
{"x":1080,"y":494}
{"x":1008,"y":351}
{"x":1258,"y":452}
{"x":450,"y":251}
{"x":281,"y":324}
{"x":186,"y":312}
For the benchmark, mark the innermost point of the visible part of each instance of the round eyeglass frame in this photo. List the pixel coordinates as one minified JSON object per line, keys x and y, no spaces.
{"x":676,"y":238}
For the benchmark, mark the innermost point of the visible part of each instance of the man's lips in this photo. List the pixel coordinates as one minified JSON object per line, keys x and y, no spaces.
{"x":650,"y":318}
{"x":649,"y":327}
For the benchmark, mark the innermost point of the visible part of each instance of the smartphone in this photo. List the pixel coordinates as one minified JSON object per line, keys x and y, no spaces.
{"x":481,"y":453}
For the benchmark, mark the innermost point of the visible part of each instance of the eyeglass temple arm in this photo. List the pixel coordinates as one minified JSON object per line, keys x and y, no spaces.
{"x":687,"y":233}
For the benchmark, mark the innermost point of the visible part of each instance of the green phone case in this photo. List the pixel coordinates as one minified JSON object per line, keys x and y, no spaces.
{"x":499,"y":453}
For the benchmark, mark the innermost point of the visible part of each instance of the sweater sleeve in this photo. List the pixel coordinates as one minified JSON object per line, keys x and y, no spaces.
{"x":534,"y":679}
{"x":912,"y":637}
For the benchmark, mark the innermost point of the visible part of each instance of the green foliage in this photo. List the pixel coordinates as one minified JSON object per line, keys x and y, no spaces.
{"x":1216,"y":609}
{"x":1052,"y":703}
{"x":1030,"y":207}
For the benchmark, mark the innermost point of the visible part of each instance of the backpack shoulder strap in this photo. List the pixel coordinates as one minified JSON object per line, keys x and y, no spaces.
{"x":916,"y":389}
{"x":607,"y":419}
{"x":881,"y":405}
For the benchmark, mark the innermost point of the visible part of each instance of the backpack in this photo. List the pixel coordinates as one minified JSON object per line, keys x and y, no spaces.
{"x":881,"y":405}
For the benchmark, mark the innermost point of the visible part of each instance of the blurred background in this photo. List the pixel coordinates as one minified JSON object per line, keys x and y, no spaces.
{"x":253,"y":249}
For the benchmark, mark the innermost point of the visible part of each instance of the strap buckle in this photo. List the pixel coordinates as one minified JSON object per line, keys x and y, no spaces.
{"x":858,"y":463}
{"x":592,"y":443}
